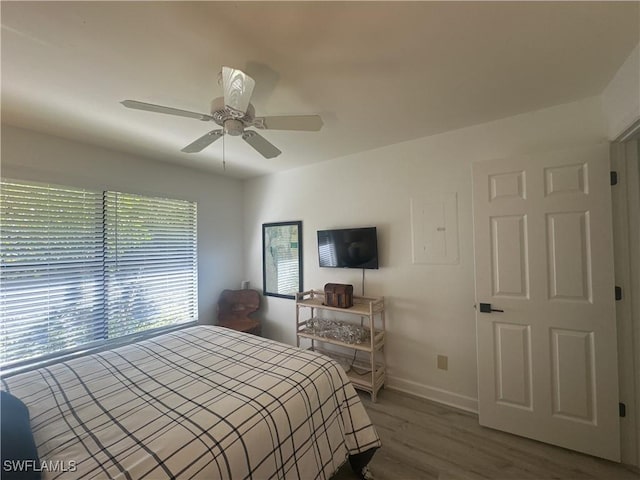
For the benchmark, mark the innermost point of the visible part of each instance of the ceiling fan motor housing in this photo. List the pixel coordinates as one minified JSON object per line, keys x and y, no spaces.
{"x":233,"y":127}
{"x":223,"y":116}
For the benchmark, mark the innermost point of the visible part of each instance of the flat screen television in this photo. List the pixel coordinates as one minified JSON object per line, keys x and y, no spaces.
{"x":348,"y":248}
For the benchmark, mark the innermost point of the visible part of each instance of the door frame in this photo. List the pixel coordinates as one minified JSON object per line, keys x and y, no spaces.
{"x":625,"y":159}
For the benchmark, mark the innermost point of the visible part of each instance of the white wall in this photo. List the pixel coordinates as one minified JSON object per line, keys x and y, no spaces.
{"x":621,"y":98}
{"x":33,"y":156}
{"x":429,"y":307}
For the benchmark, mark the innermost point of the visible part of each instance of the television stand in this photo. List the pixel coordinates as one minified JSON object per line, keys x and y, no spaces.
{"x":341,"y":338}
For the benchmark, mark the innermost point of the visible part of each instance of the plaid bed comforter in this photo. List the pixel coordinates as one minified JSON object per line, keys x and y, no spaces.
{"x":204,"y":402}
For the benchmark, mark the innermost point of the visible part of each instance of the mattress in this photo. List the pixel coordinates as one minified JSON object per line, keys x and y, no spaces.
{"x":202,"y":402}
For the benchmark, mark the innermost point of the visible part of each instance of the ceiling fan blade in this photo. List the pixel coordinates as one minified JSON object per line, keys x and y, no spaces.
{"x":238,"y":87}
{"x":204,"y":141}
{"x":150,"y":107}
{"x":307,"y":123}
{"x":257,"y":141}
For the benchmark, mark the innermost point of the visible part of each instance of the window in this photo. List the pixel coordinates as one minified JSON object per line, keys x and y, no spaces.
{"x":80,"y":266}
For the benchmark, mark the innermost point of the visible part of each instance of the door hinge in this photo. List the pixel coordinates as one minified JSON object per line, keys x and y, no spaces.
{"x":623,"y":409}
{"x":614,"y":177}
{"x":618,"y":293}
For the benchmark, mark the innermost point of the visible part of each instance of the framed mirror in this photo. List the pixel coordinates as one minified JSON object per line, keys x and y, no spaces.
{"x":282,"y":259}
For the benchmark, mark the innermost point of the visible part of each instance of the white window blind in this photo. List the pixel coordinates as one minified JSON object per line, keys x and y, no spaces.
{"x":51,"y":266}
{"x":150,"y":255}
{"x":80,"y":266}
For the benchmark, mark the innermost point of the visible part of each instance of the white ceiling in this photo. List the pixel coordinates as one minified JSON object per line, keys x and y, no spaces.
{"x":378,"y":73}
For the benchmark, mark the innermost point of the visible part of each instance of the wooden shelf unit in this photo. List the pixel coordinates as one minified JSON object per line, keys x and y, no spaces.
{"x":366,"y":375}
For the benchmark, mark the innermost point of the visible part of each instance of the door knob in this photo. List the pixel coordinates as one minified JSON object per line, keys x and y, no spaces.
{"x":486,"y":308}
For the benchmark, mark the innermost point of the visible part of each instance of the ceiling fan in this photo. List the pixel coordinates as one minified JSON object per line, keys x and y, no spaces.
{"x":235,"y":114}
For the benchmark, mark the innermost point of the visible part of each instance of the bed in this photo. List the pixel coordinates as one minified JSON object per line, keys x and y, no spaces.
{"x":203,"y":402}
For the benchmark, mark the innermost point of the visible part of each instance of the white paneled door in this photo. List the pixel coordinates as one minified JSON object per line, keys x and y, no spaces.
{"x":547,"y":354}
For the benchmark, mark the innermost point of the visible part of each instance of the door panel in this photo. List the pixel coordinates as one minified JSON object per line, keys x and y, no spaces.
{"x":565,"y":179}
{"x":510,"y":274}
{"x":547,"y":364}
{"x":573,"y":376}
{"x":507,"y":186}
{"x":513,"y":364}
{"x":569,"y":255}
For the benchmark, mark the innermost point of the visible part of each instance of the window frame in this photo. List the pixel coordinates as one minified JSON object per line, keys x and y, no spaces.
{"x":267,"y":286}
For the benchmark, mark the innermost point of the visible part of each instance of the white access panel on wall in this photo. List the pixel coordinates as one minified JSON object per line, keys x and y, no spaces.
{"x":434,"y":228}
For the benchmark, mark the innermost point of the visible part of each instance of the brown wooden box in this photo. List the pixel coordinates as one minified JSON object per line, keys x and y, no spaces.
{"x":338,"y":295}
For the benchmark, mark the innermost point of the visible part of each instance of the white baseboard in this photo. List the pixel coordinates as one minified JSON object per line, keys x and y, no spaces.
{"x":445,"y":397}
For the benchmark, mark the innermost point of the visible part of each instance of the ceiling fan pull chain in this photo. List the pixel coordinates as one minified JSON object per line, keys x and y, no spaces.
{"x":224,"y":163}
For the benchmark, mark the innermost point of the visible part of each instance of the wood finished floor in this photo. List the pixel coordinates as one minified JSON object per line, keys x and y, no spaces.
{"x":426,"y":440}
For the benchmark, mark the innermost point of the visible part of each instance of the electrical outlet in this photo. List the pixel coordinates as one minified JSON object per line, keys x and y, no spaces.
{"x":443,"y":362}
